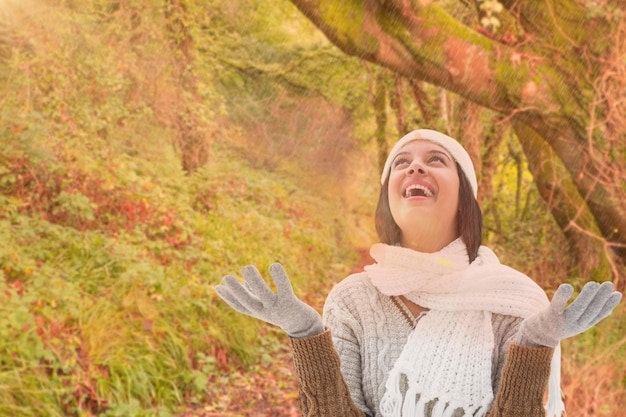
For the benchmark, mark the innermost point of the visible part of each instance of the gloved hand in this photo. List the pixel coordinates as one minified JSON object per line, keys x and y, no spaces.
{"x":557,"y":322}
{"x":283,"y":309}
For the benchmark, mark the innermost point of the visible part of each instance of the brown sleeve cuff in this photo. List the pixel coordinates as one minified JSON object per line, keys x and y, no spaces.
{"x":323,"y":391}
{"x":523,"y":384}
{"x":315,"y":357}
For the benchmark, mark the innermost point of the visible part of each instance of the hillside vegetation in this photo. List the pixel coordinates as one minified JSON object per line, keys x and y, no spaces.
{"x":130,"y":184}
{"x":107,"y":293}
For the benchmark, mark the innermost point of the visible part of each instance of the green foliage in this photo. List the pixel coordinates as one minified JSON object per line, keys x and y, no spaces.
{"x":276,"y":53}
{"x":109,"y":250}
{"x":110,"y":308}
{"x":107,"y":285}
{"x":518,"y":226}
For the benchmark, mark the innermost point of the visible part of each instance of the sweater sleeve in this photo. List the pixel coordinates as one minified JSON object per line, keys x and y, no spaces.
{"x":523,"y":383}
{"x":504,"y":328}
{"x":323,"y":391}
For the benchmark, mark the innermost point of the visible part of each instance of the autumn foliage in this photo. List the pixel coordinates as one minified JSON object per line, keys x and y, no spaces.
{"x":148,"y":148}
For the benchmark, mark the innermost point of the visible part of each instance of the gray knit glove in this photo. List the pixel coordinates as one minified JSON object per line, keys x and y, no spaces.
{"x":283,"y":308}
{"x":548,"y":327}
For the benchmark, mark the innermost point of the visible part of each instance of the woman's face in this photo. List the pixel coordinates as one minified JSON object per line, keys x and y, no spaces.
{"x":424,"y":195}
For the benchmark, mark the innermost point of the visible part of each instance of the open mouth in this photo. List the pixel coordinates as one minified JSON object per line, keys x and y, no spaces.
{"x":417,"y":190}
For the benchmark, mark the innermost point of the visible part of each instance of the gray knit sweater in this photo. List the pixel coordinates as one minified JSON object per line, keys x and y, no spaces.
{"x":370,"y":330}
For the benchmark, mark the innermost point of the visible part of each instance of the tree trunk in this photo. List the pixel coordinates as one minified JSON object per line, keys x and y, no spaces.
{"x":543,"y":74}
{"x":395,"y":101}
{"x":380,"y":109}
{"x":469,"y":134}
{"x":192,"y":141}
{"x":566,"y":206}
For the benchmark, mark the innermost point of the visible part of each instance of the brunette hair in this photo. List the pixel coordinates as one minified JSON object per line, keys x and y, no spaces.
{"x":469,"y":217}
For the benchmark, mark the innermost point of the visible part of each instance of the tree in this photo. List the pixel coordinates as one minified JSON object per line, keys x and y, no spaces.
{"x":191,"y":137}
{"x":553,"y":69}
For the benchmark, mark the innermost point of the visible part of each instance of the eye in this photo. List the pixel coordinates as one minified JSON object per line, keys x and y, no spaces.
{"x":401,"y":162}
{"x":437,"y":158}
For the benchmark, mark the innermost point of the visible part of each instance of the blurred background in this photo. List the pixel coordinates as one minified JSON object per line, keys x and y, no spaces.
{"x":150,"y":147}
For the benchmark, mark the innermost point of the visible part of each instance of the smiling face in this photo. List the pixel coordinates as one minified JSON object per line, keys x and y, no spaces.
{"x":424,"y":195}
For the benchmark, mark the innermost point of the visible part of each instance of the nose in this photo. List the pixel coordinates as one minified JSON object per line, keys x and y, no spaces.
{"x":416,"y":168}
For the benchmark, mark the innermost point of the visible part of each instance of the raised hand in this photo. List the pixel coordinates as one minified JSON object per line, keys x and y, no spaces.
{"x":557,"y":322}
{"x":282,"y":309}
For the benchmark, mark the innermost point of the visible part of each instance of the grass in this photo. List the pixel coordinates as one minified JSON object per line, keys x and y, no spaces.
{"x":121,"y":321}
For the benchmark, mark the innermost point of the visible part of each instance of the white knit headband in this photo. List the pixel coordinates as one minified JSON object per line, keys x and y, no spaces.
{"x":457,"y":151}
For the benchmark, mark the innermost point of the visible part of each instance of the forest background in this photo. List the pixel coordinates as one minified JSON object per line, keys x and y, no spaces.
{"x":150,"y":147}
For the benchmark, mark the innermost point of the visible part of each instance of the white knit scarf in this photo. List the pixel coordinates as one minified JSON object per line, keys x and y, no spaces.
{"x":446,"y":362}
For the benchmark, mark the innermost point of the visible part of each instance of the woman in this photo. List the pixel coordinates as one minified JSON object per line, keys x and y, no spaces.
{"x":437,"y":326}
